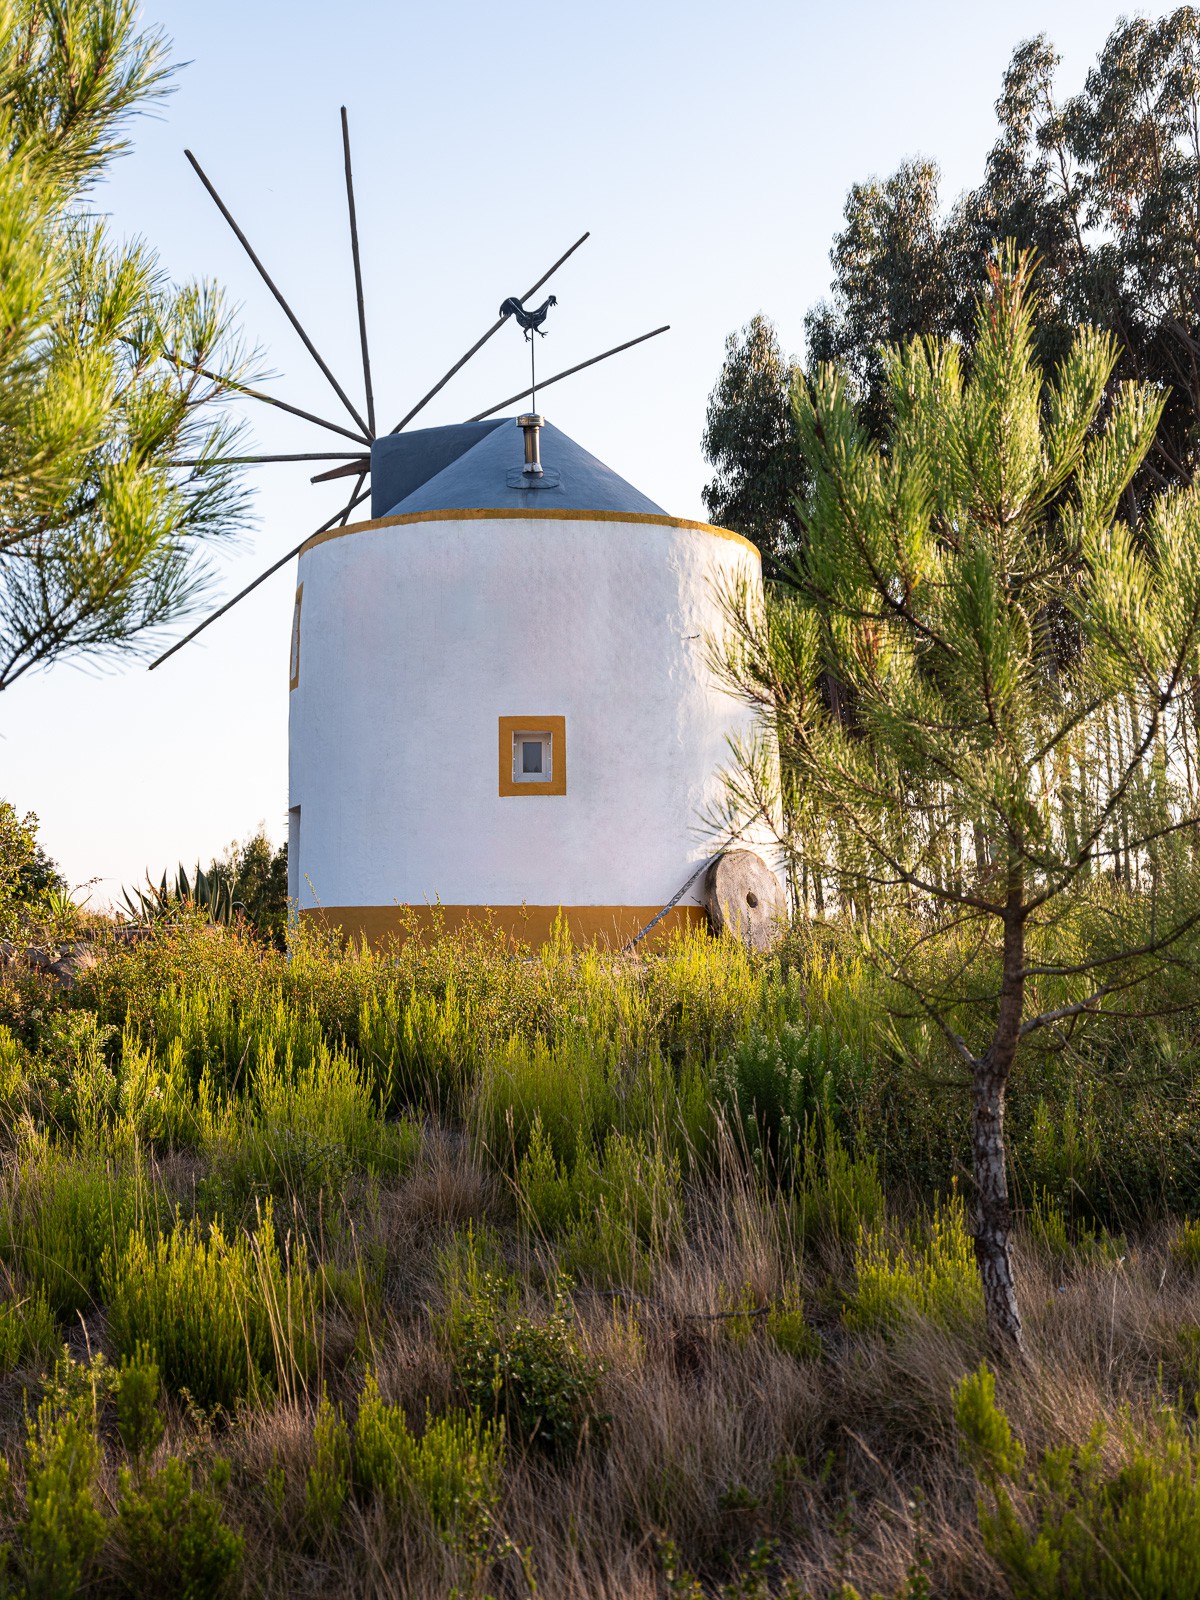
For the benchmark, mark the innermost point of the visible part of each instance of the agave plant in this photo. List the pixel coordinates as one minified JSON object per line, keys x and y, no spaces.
{"x":159,"y":902}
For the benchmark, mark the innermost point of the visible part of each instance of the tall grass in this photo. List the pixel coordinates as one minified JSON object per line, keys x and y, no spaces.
{"x":223,"y":1318}
{"x":641,"y":1255}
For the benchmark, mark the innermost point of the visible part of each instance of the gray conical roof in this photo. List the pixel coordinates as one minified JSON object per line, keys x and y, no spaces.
{"x":477,"y":466}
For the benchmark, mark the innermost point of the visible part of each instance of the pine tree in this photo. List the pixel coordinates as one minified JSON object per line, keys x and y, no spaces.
{"x":1004,"y":808}
{"x":99,"y":534}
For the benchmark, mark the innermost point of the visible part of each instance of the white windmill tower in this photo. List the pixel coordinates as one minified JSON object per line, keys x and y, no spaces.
{"x":500,"y":698}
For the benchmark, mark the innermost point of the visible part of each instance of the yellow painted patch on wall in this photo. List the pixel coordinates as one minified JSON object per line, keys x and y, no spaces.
{"x":294,"y":665}
{"x":530,"y":514}
{"x":553,"y":732}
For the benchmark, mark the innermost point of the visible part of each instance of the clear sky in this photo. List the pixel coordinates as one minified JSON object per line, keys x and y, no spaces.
{"x":708,"y":148}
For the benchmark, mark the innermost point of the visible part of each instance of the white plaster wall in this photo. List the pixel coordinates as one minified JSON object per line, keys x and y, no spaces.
{"x":416,"y":638}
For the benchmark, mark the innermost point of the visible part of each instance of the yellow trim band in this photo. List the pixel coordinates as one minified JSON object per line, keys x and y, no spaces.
{"x":512,"y":514}
{"x":610,"y":926}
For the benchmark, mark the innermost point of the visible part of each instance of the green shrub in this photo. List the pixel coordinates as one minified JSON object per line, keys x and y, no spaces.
{"x":783,"y":1322}
{"x":773,"y":1087}
{"x":155,"y":1101}
{"x":61,"y":1213}
{"x":28,"y":1329}
{"x":301,"y":1129}
{"x":613,"y":1213}
{"x":530,"y":1373}
{"x":1068,"y":1528}
{"x":452,"y":1473}
{"x":222,"y":1318}
{"x":139,"y":1421}
{"x":63,"y":1528}
{"x":1185,"y":1246}
{"x":422,"y":1049}
{"x":929,"y":1273}
{"x":328,"y":1481}
{"x":77,"y":1042}
{"x":174,"y":1536}
{"x":836,"y":1194}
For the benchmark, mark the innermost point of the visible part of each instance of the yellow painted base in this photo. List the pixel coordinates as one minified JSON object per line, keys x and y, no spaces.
{"x":610,"y":926}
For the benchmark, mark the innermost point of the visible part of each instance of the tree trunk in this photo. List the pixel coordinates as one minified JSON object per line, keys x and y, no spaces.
{"x":993,"y":1218}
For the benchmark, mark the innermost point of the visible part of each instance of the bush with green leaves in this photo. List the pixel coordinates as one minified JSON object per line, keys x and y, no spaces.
{"x":27,"y":874}
{"x":139,"y":1420}
{"x":928,"y":1272}
{"x":773,"y":1086}
{"x":1070,"y":1527}
{"x":297,"y":1129}
{"x":836,"y":1194}
{"x":61,"y":1214}
{"x":612,"y":1212}
{"x":171,"y":1531}
{"x":223,"y":1317}
{"x":530,"y":1372}
{"x":1185,"y":1245}
{"x":328,"y":1482}
{"x":451,"y":1474}
{"x":173,"y":1534}
{"x":28,"y":1329}
{"x":783,"y":1322}
{"x":63,"y":1528}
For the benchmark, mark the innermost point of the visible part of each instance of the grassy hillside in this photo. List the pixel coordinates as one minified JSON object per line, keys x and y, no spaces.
{"x":471,"y":1270}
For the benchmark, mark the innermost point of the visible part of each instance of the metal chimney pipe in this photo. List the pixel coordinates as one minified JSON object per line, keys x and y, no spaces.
{"x":531,"y":424}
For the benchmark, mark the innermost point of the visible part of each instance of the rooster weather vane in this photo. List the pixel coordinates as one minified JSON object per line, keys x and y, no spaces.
{"x":531,"y":321}
{"x":357,"y":463}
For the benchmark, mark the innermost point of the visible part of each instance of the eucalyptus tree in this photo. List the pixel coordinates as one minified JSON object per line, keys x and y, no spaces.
{"x":1003,"y":777}
{"x":1104,"y":185}
{"x":750,"y":442}
{"x":99,"y":533}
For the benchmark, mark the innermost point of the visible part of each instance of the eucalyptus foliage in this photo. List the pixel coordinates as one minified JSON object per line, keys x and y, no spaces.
{"x":99,"y":533}
{"x":1104,"y":185}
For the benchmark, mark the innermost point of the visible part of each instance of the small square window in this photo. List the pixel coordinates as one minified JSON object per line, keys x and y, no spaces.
{"x":533,"y":755}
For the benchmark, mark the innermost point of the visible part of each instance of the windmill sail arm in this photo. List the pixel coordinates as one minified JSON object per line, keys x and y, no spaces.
{"x":339,"y":516}
{"x":235,"y":387}
{"x":545,"y":383}
{"x":479,"y":343}
{"x":350,"y":469}
{"x":270,"y":283}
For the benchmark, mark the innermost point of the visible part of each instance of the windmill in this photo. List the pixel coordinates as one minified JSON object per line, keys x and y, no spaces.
{"x":363,"y":434}
{"x":500,"y":699}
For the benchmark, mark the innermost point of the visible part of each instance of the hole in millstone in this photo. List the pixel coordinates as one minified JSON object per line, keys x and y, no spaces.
{"x":751,"y":899}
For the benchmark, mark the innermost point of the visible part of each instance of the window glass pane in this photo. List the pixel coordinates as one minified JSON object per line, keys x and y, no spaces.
{"x":531,"y":755}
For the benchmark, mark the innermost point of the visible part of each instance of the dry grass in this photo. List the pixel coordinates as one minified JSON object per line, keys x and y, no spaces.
{"x":716,"y":1439}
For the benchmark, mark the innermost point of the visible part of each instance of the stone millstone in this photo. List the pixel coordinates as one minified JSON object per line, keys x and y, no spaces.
{"x":744,"y":897}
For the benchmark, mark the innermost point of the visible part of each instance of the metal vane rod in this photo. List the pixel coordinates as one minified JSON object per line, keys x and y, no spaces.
{"x":262,"y":578}
{"x":255,"y":461}
{"x":358,"y":283}
{"x":567,"y":371}
{"x":357,"y":497}
{"x":358,"y":464}
{"x":267,"y":279}
{"x":479,"y":343}
{"x":267,"y":399}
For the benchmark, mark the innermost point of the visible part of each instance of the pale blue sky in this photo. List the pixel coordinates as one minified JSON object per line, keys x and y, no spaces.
{"x":708,"y":148}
